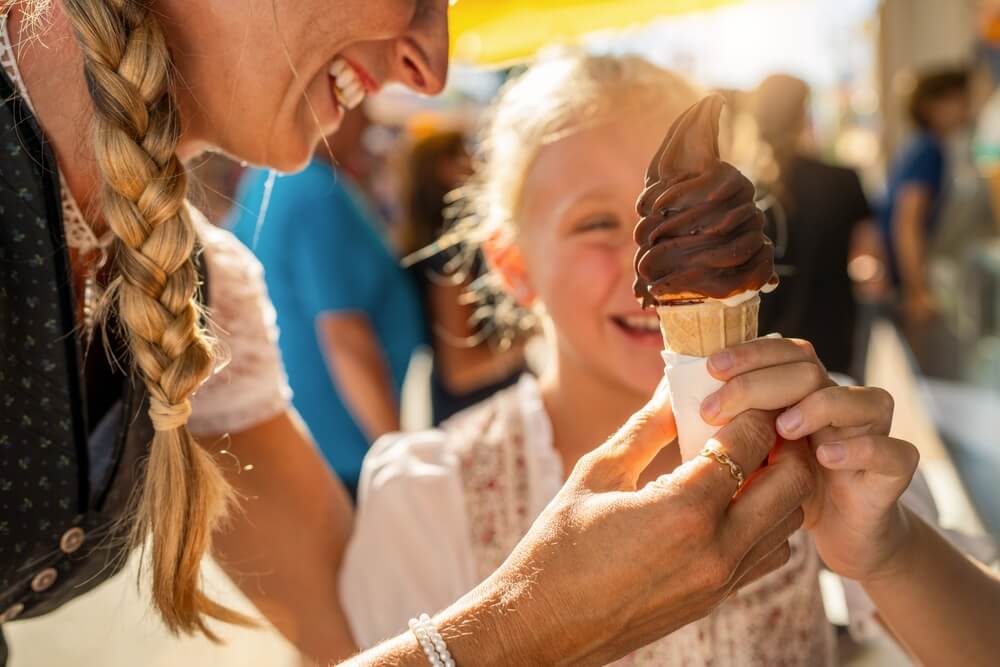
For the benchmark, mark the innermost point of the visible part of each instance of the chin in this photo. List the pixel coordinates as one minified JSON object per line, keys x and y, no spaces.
{"x":291,"y":157}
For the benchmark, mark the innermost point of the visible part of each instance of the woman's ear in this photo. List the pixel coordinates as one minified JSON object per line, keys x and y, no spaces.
{"x":507,"y":263}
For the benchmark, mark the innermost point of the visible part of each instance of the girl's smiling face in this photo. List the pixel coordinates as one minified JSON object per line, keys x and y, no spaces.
{"x":574,"y":236}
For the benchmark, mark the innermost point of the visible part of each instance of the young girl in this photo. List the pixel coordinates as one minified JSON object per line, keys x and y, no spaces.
{"x":565,"y":153}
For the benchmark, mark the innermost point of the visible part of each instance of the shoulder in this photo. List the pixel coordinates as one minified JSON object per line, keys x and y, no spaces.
{"x":413,"y":458}
{"x":233,"y":270}
{"x":251,"y":387}
{"x":923,"y":149}
{"x":400,"y":459}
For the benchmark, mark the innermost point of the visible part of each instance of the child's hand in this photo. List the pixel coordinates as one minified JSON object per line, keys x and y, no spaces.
{"x":853,"y":516}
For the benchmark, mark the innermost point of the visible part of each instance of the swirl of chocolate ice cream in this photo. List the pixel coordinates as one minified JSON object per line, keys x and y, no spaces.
{"x":700,"y":234}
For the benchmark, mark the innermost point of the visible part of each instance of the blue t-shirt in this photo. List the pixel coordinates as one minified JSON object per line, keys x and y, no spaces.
{"x":921,"y":162}
{"x":321,"y":254}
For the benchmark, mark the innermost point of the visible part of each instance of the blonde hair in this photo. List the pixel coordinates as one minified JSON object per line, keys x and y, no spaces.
{"x":184,"y":494}
{"x":561,"y":95}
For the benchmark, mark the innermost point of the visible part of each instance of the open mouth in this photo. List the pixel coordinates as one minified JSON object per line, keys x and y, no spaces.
{"x":348,"y":88}
{"x":639,"y":327}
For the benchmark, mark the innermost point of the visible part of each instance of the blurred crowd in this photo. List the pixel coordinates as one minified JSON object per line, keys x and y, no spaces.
{"x":380,"y":277}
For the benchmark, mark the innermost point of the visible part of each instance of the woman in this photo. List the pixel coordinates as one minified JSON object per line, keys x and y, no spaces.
{"x":263,"y":81}
{"x":939,"y":107}
{"x":470,"y":364}
{"x":821,"y":209}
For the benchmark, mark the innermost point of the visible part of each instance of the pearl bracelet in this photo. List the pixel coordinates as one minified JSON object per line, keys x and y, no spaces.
{"x":431,"y":641}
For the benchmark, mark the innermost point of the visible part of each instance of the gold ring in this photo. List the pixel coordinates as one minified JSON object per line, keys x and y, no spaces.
{"x":735,"y":470}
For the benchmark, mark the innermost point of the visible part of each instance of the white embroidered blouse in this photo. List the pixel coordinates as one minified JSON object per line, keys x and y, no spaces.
{"x":252,"y":387}
{"x":440,"y":510}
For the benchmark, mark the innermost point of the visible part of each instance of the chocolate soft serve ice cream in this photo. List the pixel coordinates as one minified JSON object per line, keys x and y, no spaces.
{"x":703,"y":257}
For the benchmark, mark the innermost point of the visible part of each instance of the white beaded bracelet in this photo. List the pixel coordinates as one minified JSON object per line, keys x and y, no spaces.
{"x":431,"y":641}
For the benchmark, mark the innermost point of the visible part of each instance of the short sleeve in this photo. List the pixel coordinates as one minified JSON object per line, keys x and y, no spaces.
{"x":410,"y":551}
{"x":252,"y":387}
{"x":923,"y":165}
{"x":337,"y":252}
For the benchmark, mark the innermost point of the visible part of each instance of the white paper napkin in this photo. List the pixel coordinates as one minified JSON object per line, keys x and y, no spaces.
{"x":690,"y":383}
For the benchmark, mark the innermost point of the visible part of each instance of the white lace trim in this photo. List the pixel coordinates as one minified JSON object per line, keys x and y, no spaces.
{"x":252,"y":387}
{"x":79,"y":234}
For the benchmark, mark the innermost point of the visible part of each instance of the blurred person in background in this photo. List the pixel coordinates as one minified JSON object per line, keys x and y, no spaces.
{"x":469,"y":364}
{"x":818,"y":214}
{"x":350,"y":318}
{"x":939,"y":107}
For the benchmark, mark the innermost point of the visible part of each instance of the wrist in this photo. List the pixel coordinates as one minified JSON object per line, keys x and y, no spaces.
{"x":897,"y":544}
{"x":493,"y":625}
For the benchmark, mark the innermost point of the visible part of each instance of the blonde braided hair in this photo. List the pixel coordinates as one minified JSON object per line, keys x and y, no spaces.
{"x":136,"y":130}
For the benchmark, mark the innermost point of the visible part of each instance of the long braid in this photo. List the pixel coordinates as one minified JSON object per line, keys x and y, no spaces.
{"x":136,"y":130}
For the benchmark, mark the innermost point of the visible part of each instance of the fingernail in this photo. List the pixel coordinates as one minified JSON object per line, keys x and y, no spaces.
{"x":790,"y":421}
{"x":721,"y":361}
{"x":711,"y":406}
{"x":831,"y":453}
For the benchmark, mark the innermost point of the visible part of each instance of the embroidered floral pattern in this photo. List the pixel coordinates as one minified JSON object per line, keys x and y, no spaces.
{"x":776,"y":621}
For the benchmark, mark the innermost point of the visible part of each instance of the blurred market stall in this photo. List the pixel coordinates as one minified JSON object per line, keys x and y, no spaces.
{"x":499,"y":32}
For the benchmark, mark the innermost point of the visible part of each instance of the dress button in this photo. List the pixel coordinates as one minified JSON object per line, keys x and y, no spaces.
{"x":43,"y":580}
{"x":11,"y":613}
{"x":71,"y":540}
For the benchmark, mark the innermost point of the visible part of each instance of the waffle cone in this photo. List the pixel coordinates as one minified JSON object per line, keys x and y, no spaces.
{"x":701,"y":329}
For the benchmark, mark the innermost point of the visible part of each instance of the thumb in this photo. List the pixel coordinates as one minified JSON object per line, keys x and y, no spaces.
{"x":618,"y":463}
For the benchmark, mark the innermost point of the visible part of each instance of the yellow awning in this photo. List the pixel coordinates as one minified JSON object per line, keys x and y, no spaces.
{"x":495,"y":32}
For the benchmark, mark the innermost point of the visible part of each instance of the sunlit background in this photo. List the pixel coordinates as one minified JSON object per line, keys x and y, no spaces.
{"x":860,"y":58}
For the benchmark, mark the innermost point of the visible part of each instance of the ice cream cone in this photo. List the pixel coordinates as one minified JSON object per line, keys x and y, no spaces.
{"x":701,"y":329}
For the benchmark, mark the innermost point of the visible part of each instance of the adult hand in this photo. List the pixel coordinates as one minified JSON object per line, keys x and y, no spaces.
{"x":609,"y":567}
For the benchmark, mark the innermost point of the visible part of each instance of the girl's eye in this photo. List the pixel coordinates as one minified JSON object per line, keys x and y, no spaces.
{"x":597,"y":225}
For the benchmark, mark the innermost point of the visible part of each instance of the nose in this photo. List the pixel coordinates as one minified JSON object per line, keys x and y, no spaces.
{"x":421,"y":58}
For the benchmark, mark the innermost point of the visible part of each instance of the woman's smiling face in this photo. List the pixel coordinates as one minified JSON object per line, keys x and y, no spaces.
{"x":265,"y":80}
{"x":574,"y":233}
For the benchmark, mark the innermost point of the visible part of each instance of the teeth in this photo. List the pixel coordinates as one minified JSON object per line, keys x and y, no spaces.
{"x":347,"y":87}
{"x":642,"y":322}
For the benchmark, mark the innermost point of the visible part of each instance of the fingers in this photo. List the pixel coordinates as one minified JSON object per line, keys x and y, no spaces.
{"x":838,"y":407}
{"x":747,"y":439}
{"x":876,"y":454}
{"x":770,"y":388}
{"x":776,"y":495}
{"x":618,"y":463}
{"x":761,"y":353}
{"x":771,"y":562}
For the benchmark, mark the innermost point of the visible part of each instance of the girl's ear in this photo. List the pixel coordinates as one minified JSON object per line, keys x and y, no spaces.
{"x":507,"y":263}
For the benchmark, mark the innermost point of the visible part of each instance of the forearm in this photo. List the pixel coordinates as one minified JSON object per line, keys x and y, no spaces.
{"x":361,"y":374}
{"x":368,"y":393}
{"x":285,"y":542}
{"x":940,"y":604}
{"x":910,"y":250}
{"x":909,"y":227}
{"x":475,"y":630}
